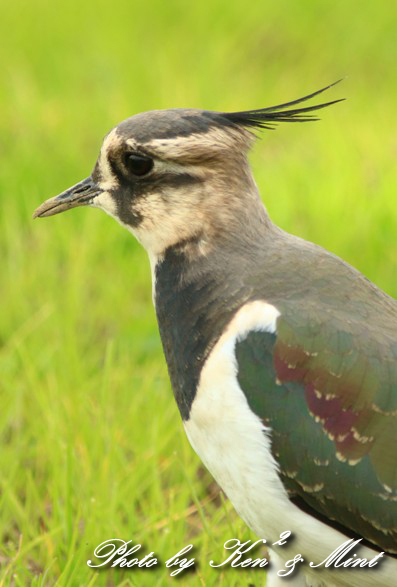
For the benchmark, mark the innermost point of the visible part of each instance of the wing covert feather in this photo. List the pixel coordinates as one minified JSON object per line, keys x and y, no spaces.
{"x":328,"y":393}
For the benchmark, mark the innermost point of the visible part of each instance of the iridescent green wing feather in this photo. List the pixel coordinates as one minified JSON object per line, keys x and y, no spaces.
{"x":327,"y":390}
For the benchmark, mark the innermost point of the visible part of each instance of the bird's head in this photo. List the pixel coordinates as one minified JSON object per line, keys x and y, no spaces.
{"x":175,"y":176}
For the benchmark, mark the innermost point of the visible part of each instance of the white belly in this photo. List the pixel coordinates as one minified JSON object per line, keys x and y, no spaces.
{"x":234,"y":445}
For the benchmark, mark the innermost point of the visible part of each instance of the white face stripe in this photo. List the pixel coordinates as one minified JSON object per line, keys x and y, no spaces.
{"x":235,"y":446}
{"x":215,"y":140}
{"x":105,"y":202}
{"x":108,"y":180}
{"x":164,"y":165}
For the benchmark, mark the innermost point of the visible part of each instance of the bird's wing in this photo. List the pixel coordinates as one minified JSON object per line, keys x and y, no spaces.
{"x":328,"y":393}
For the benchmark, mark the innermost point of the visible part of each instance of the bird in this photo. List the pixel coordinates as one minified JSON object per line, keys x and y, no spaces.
{"x":282,"y":357}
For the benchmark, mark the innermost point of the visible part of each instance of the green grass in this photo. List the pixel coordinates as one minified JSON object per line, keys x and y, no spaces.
{"x":92,"y":443}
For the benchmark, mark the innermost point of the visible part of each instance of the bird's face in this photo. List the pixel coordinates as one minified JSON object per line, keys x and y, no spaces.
{"x":167,"y":176}
{"x":179,"y":176}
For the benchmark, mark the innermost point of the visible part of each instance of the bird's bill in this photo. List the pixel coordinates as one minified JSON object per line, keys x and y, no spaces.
{"x":81,"y":194}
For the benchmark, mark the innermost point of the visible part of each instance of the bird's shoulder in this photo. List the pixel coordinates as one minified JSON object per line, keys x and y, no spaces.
{"x":312,"y":284}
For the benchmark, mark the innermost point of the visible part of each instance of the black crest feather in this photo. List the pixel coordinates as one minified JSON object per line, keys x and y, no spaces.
{"x":269,"y":117}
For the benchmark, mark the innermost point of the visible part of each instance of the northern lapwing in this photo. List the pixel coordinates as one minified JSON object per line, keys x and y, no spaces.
{"x":282,"y":357}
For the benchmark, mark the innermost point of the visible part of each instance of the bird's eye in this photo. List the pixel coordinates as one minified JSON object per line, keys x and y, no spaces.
{"x":138,"y":164}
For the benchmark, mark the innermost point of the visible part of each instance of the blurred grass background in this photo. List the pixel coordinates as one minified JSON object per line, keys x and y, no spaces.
{"x":92,"y":446}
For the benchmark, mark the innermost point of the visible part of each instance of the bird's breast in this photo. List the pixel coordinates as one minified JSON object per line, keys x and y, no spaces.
{"x":193,"y":306}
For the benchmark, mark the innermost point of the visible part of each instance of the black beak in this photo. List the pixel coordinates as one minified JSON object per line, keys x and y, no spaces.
{"x":80,"y":194}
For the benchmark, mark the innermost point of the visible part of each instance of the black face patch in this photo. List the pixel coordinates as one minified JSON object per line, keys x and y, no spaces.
{"x":123,"y":199}
{"x":96,"y":174}
{"x":135,"y":190}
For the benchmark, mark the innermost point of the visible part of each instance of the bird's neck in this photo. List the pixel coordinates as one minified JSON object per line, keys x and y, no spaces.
{"x":198,"y":213}
{"x":195,"y":297}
